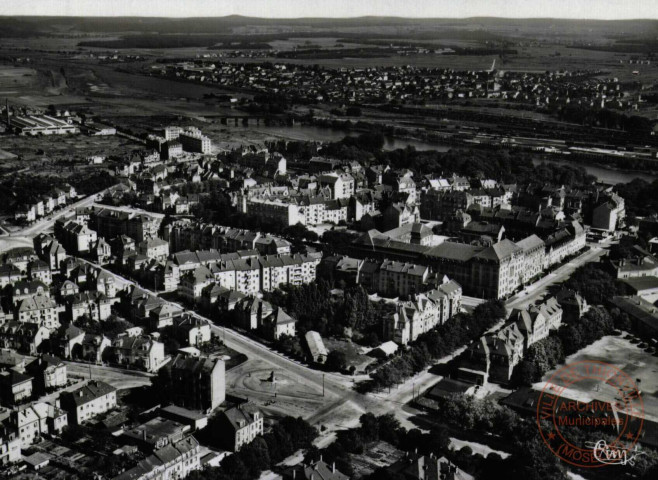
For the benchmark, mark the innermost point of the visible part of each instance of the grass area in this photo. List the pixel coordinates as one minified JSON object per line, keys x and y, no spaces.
{"x":354,"y":353}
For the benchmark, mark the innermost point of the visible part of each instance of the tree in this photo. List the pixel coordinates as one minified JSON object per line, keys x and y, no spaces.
{"x":336,"y":360}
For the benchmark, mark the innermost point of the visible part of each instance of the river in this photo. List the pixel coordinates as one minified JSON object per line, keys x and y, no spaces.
{"x":310,"y":133}
{"x":604,"y":175}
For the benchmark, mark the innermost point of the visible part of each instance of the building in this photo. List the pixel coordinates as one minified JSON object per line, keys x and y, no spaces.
{"x":427,"y":467}
{"x":238,"y":426}
{"x":610,"y":214}
{"x":171,"y":462}
{"x":76,"y":237}
{"x":400,"y":278}
{"x":316,"y":348}
{"x":140,"y":351}
{"x":642,"y":314}
{"x":315,"y":471}
{"x":192,"y":331}
{"x":423,"y":312}
{"x":48,"y":372}
{"x":341,"y":185}
{"x":39,"y":310}
{"x":41,"y":125}
{"x":36,"y":420}
{"x":278,"y":324}
{"x":155,"y":249}
{"x":88,"y":401}
{"x":10,"y":446}
{"x":192,"y":140}
{"x":197,"y":383}
{"x":155,"y":433}
{"x":494,"y":356}
{"x":15,"y":387}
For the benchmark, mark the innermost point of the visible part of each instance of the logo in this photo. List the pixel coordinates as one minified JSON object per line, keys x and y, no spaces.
{"x":590,"y":414}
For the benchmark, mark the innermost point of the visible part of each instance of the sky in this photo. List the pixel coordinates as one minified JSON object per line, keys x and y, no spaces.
{"x":590,"y":9}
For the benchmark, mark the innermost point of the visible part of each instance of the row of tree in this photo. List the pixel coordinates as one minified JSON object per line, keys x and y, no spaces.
{"x":435,"y":344}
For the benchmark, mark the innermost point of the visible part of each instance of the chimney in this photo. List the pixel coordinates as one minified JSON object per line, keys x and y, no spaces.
{"x":333,"y":467}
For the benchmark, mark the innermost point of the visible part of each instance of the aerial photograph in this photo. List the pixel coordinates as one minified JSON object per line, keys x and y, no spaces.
{"x":328,"y":240}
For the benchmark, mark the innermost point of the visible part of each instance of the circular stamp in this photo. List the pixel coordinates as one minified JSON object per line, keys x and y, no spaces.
{"x":590,"y":414}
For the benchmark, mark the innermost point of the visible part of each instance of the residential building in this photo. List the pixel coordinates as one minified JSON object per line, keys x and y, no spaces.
{"x":316,"y":471}
{"x":15,"y":387}
{"x":197,"y":383}
{"x":239,"y":426}
{"x":171,"y":462}
{"x":48,"y":373}
{"x":423,"y":312}
{"x":34,"y":421}
{"x":139,"y":351}
{"x":88,"y":401}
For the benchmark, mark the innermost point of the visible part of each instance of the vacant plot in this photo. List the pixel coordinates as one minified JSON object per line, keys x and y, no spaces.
{"x":14,"y":78}
{"x":354,"y":354}
{"x":67,"y":146}
{"x":631,"y":359}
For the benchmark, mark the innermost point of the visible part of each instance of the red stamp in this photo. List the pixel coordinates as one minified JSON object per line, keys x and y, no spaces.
{"x":595,"y":433}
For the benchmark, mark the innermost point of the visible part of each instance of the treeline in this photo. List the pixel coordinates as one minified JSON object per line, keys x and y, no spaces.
{"x":508,"y":166}
{"x":286,"y":437}
{"x":352,"y":314}
{"x":604,"y":118}
{"x":595,"y":284}
{"x":640,"y":197}
{"x":437,"y":343}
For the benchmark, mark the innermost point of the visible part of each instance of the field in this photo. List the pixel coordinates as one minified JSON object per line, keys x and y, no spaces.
{"x":69,"y":147}
{"x":626,"y":356}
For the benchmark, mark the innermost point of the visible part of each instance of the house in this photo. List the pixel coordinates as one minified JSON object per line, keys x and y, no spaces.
{"x":138,"y":352}
{"x":164,"y":315}
{"x":155,"y":248}
{"x":15,"y":387}
{"x":39,"y":270}
{"x":93,"y":305}
{"x":9,"y":275}
{"x":25,"y":289}
{"x":494,"y":356}
{"x":10,"y":446}
{"x":192,"y":331}
{"x":414,"y":466}
{"x":170,"y":462}
{"x":48,"y":372}
{"x":24,"y":337}
{"x":92,"y":348}
{"x":36,"y":420}
{"x":197,"y":383}
{"x":319,"y":470}
{"x":88,"y":401}
{"x":572,"y":304}
{"x":238,"y":426}
{"x":155,"y":433}
{"x":278,"y":324}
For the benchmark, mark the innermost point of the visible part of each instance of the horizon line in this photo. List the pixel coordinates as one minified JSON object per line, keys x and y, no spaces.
{"x":589,"y":19}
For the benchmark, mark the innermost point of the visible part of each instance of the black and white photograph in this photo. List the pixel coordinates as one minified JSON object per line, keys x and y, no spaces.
{"x":328,"y":240}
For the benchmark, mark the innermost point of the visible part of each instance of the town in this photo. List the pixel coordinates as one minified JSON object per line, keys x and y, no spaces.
{"x":176,"y":302}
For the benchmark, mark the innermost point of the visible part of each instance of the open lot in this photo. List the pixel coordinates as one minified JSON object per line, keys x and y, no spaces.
{"x":626,"y":356}
{"x":69,"y":147}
